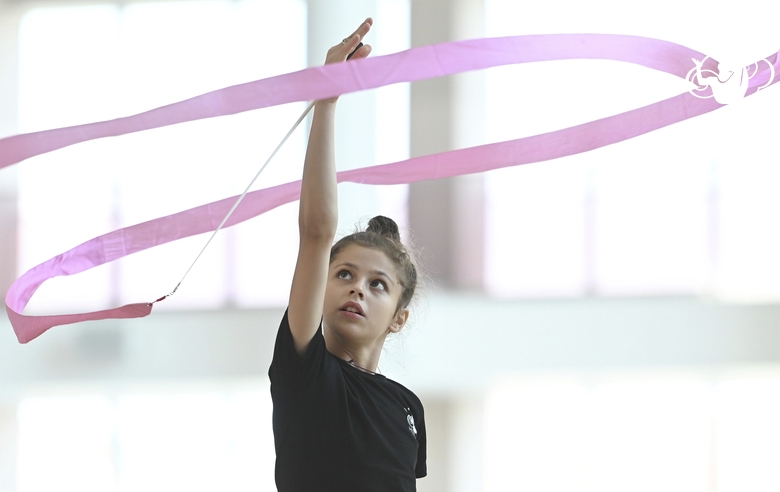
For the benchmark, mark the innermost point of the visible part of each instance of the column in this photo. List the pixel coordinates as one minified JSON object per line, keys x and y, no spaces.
{"x":455,"y":430}
{"x":448,"y":113}
{"x":437,"y":429}
{"x":329,"y":22}
{"x":466,"y":437}
{"x":9,"y":27}
{"x":8,"y":444}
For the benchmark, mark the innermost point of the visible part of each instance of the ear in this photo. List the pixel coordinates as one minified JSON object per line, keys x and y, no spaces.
{"x":399,"y":321}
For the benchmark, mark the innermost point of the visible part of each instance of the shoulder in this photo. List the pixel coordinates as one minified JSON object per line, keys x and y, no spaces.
{"x":288,"y":364}
{"x":399,"y":386}
{"x":406,"y":393}
{"x":284,"y":335}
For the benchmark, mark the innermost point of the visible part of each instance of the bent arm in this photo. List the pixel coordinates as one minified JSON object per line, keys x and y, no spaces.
{"x":318,"y":213}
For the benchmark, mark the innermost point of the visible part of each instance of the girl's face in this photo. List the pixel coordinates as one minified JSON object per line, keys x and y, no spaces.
{"x":361,"y":298}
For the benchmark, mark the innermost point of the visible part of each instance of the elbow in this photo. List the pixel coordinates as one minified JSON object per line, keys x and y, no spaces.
{"x":321,"y":230}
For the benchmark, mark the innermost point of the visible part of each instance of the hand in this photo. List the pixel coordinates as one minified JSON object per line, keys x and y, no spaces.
{"x":340,"y":52}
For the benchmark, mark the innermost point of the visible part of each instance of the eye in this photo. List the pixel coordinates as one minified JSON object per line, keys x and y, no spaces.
{"x":378,"y":284}
{"x":344,"y":274}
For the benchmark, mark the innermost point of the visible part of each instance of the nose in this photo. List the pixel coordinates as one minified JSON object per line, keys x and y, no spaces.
{"x":356,"y":290}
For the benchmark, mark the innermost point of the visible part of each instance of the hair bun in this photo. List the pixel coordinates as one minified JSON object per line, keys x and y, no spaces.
{"x":384,"y":226}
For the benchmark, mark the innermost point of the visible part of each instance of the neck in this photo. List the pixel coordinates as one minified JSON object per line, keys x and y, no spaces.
{"x":363,"y":357}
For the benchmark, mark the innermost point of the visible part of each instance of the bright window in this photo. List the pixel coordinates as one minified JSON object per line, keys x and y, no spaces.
{"x":683,"y":210}
{"x":80,"y":64}
{"x":87,"y":63}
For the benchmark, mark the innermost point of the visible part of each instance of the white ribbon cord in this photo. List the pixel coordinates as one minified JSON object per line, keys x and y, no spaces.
{"x":235,"y":205}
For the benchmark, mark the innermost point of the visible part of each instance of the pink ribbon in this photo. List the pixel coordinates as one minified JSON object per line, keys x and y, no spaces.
{"x":332,"y":80}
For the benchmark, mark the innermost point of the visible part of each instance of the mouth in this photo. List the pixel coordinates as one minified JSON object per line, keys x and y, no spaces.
{"x":353,"y":309}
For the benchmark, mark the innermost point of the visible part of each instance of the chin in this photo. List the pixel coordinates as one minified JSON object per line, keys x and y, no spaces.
{"x":346,"y":330}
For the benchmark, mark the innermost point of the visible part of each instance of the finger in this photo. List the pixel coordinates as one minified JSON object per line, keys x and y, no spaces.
{"x":360,"y":45}
{"x":363,"y":28}
{"x":350,"y":45}
{"x":353,"y":39}
{"x":361,"y":52}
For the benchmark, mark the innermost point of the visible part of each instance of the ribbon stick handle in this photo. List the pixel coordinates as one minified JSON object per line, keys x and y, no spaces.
{"x":360,"y":45}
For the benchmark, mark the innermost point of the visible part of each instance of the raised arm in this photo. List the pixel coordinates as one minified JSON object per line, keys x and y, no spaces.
{"x":318,"y":213}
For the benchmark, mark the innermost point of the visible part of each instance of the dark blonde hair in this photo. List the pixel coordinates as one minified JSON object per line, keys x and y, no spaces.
{"x":382,"y":234}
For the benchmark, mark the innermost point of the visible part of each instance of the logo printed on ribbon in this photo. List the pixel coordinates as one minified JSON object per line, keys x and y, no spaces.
{"x":727,"y":84}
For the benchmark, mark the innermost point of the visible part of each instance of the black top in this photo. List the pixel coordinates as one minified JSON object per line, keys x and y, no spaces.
{"x":339,"y":428}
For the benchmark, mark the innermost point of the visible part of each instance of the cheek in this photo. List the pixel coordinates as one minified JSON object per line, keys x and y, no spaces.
{"x":330,"y":292}
{"x":390,"y":303}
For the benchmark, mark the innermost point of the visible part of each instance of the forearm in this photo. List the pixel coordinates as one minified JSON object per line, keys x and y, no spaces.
{"x":318,"y":213}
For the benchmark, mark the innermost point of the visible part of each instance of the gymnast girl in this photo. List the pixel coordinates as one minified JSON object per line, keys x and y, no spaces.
{"x":338,"y":424}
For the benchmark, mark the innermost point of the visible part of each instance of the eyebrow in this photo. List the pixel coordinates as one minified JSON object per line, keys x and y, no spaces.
{"x":372,"y":272}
